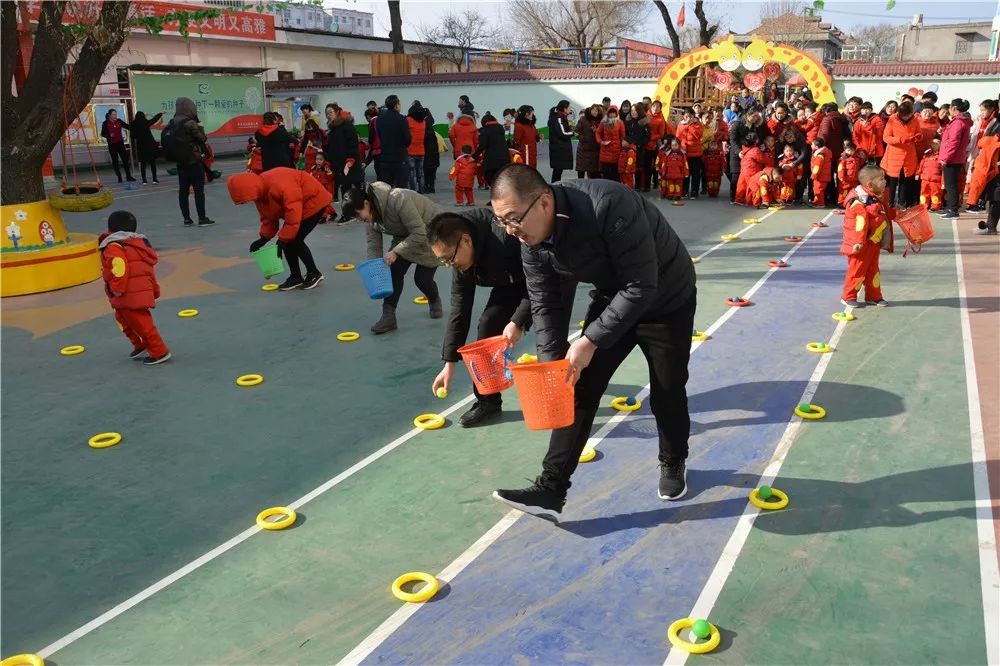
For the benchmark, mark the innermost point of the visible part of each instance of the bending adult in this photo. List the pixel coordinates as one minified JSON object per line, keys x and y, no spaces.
{"x":739,"y":130}
{"x":492,"y":153}
{"x":603,"y":233}
{"x":272,"y":140}
{"x":901,"y":136}
{"x":587,"y":148}
{"x":112,"y":131}
{"x":560,"y":140}
{"x":526,"y":136}
{"x":394,"y":139}
{"x":341,"y":147}
{"x":292,"y":200}
{"x":954,"y":153}
{"x":186,"y":148}
{"x":403,"y":215}
{"x":145,"y":145}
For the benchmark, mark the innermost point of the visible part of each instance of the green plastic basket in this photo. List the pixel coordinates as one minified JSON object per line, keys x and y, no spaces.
{"x":268,"y":261}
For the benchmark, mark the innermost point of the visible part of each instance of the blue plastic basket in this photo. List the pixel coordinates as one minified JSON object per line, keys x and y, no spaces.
{"x":377,"y":278}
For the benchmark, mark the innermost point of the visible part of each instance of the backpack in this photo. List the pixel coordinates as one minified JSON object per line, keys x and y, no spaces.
{"x":177,"y":145}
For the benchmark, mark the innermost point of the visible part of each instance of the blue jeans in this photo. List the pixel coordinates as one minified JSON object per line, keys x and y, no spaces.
{"x":417,"y":173}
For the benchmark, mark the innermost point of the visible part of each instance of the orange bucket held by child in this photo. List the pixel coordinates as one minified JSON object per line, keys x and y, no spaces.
{"x":917,"y":227}
{"x":546,"y":397}
{"x":488,"y":361}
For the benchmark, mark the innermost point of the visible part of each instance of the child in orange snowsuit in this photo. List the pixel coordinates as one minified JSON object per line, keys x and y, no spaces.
{"x":768,"y":183}
{"x":714,"y":163}
{"x":626,"y":165}
{"x":463,"y":172}
{"x":929,"y":173}
{"x":672,"y":166}
{"x":821,"y":171}
{"x":323,"y":174}
{"x":752,"y":161}
{"x":127,"y":265}
{"x":790,"y":175}
{"x":847,"y":172}
{"x":255,"y":162}
{"x":867,"y":231}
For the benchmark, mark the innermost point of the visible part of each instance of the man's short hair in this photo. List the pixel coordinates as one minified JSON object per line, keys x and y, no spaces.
{"x":391,"y":101}
{"x":270,"y":118}
{"x":855,"y":99}
{"x":931,"y":95}
{"x":448,"y":228}
{"x":868,"y":173}
{"x":521,"y":179}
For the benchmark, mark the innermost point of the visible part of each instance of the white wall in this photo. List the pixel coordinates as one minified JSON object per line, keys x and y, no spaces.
{"x":879,"y":91}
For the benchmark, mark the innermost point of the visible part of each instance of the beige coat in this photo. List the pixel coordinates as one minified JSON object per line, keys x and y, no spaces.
{"x":404,"y":215}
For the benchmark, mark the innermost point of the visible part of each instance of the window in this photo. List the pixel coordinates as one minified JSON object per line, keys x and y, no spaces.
{"x":325,"y":75}
{"x":963,"y":43}
{"x":284,"y":75}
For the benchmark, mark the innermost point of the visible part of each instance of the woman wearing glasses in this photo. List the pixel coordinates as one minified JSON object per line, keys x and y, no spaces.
{"x":402,"y":214}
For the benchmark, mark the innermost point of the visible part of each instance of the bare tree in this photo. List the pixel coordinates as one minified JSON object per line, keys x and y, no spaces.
{"x":675,"y":39}
{"x":396,"y":29}
{"x":879,"y":39}
{"x":772,"y":8}
{"x":579,"y":24}
{"x":456,"y":33}
{"x":707,"y":28}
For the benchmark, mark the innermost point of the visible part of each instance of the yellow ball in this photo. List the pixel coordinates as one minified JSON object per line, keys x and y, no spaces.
{"x":442,"y":392}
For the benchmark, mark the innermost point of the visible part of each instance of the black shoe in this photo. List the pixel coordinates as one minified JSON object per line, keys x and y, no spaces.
{"x":205,"y":222}
{"x":481,"y":411}
{"x":291,"y":283}
{"x":948,"y":215}
{"x":130,"y":179}
{"x":312,"y":280}
{"x":538,"y":500}
{"x":156,"y":182}
{"x":975,"y":208}
{"x":188,"y":222}
{"x":435,"y":308}
{"x":673,"y":481}
{"x":149,"y":360}
{"x":136,"y":353}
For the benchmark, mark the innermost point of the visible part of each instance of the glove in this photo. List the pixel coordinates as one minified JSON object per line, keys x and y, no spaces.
{"x":257,"y":244}
{"x":281,"y":246}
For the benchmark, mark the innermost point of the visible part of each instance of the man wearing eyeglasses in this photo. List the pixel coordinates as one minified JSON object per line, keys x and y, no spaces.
{"x":604,"y":233}
{"x":483,"y":255}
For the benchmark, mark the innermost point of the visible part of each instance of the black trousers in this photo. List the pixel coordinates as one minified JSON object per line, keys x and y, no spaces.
{"x":500,"y":307}
{"x":119,"y":154}
{"x":903,"y":187}
{"x":423,"y":276}
{"x":191,"y":176}
{"x":609,"y":170}
{"x":992,"y":195}
{"x":734,"y":179}
{"x":430,"y":175}
{"x":490,"y":174}
{"x":152,"y":168}
{"x":396,"y":174}
{"x":297,"y":249}
{"x":951,"y":194}
{"x":692,"y":184}
{"x":556,"y":175}
{"x":666,"y":344}
{"x":646,"y":171}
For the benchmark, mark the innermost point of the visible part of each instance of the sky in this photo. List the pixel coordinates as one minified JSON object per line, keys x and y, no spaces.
{"x":743,"y":15}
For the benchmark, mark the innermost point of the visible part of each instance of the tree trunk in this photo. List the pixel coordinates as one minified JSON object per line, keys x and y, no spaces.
{"x":675,"y":39}
{"x":396,"y":25}
{"x":706,"y":32}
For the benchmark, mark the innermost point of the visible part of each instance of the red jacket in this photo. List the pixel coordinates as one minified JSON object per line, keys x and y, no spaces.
{"x":831,"y":130}
{"x":955,"y":139}
{"x":715,"y":164}
{"x":463,"y":133}
{"x":901,"y":146}
{"x":792,"y":175}
{"x":280,"y":194}
{"x":847,"y":171}
{"x":821,"y":165}
{"x":626,"y":161}
{"x":931,"y":169}
{"x":324,"y":176}
{"x":812,"y":125}
{"x":417,"y":130}
{"x":690,"y":135}
{"x":867,"y":136}
{"x":657,"y":129}
{"x":755,"y":160}
{"x":463,"y":172}
{"x":672,"y":164}
{"x":614,"y":135}
{"x":526,"y":138}
{"x":928,"y":130}
{"x":775,"y":126}
{"x":866,"y":220}
{"x":127,"y":261}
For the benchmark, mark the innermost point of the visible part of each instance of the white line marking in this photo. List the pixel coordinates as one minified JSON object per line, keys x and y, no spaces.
{"x":742,"y":231}
{"x":397,"y":619}
{"x":988,"y":570}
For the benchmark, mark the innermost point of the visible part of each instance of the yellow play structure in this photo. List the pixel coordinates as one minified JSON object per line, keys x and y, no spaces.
{"x":731,"y":57}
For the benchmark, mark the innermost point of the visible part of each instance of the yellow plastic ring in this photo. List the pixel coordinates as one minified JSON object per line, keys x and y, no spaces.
{"x":344,"y":267}
{"x":843,"y":316}
{"x":104,"y":440}
{"x":729,"y":237}
{"x":751,"y":220}
{"x":420,"y":300}
{"x":188,"y":313}
{"x":769,"y":506}
{"x":621,"y":404}
{"x":816,"y":413}
{"x":695,"y":260}
{"x":72,"y":350}
{"x":428,"y":591}
{"x":581,"y":324}
{"x":23,"y":660}
{"x":588,"y":454}
{"x":699,"y":336}
{"x":269,"y":287}
{"x":693,"y":648}
{"x":774,"y":208}
{"x":429,"y":421}
{"x":249,"y":380}
{"x":348,"y":336}
{"x":265,"y":524}
{"x":819,"y":347}
{"x":527,"y":358}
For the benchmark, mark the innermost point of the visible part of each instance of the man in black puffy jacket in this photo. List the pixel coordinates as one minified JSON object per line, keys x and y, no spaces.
{"x":604,"y":233}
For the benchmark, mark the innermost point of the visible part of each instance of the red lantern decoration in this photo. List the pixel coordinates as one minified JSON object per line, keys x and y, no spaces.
{"x":754,"y":80}
{"x":772,"y":71}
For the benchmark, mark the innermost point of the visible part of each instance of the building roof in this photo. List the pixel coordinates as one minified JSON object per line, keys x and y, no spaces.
{"x":196,"y":69}
{"x":511,"y":76}
{"x":792,"y":26}
{"x":916,"y":69}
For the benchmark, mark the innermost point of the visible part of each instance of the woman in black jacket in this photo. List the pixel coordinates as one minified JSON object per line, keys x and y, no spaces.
{"x":492,"y":152}
{"x":272,"y":140}
{"x":560,"y":140}
{"x":637,"y":130}
{"x":341,"y":148}
{"x":145,"y":145}
{"x":432,"y":156}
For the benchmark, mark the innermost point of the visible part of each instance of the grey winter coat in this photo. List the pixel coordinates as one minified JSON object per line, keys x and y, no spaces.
{"x":402,"y":214}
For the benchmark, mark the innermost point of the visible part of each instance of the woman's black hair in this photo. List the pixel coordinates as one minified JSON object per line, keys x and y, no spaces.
{"x":448,"y":228}
{"x":139,"y":116}
{"x":355,"y":200}
{"x":990,"y":104}
{"x":961,"y":104}
{"x":107,"y":115}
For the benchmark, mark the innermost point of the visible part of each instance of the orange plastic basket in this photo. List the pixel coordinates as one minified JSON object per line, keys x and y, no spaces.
{"x":916,"y":224}
{"x":489,"y":364}
{"x":546,"y":398}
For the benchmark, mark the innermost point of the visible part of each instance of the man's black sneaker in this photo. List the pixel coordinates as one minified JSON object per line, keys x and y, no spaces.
{"x":136,"y":353}
{"x":149,"y":360}
{"x":291,"y":283}
{"x":312,"y":280}
{"x":538,"y":500}
{"x":948,"y":215}
{"x":480,"y":412}
{"x":205,"y":222}
{"x":673,"y":481}
{"x":188,"y":222}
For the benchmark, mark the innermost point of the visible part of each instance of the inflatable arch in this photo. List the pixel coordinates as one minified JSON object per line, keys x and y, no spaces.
{"x":731,"y":57}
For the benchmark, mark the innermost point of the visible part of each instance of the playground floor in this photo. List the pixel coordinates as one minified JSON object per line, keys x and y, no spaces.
{"x":147,"y":552}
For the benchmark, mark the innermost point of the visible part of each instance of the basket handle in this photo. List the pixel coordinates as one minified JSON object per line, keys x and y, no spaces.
{"x":475,"y":374}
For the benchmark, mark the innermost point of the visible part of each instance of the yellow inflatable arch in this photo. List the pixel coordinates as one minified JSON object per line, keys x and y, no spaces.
{"x":730,"y":57}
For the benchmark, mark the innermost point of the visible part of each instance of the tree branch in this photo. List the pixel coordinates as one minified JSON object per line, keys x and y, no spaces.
{"x":675,"y":39}
{"x":8,"y":60}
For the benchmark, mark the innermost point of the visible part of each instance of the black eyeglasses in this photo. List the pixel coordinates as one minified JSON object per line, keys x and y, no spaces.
{"x":451,"y":262}
{"x":515,"y":222}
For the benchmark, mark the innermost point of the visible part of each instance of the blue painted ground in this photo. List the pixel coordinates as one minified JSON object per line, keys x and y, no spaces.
{"x":603,"y":585}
